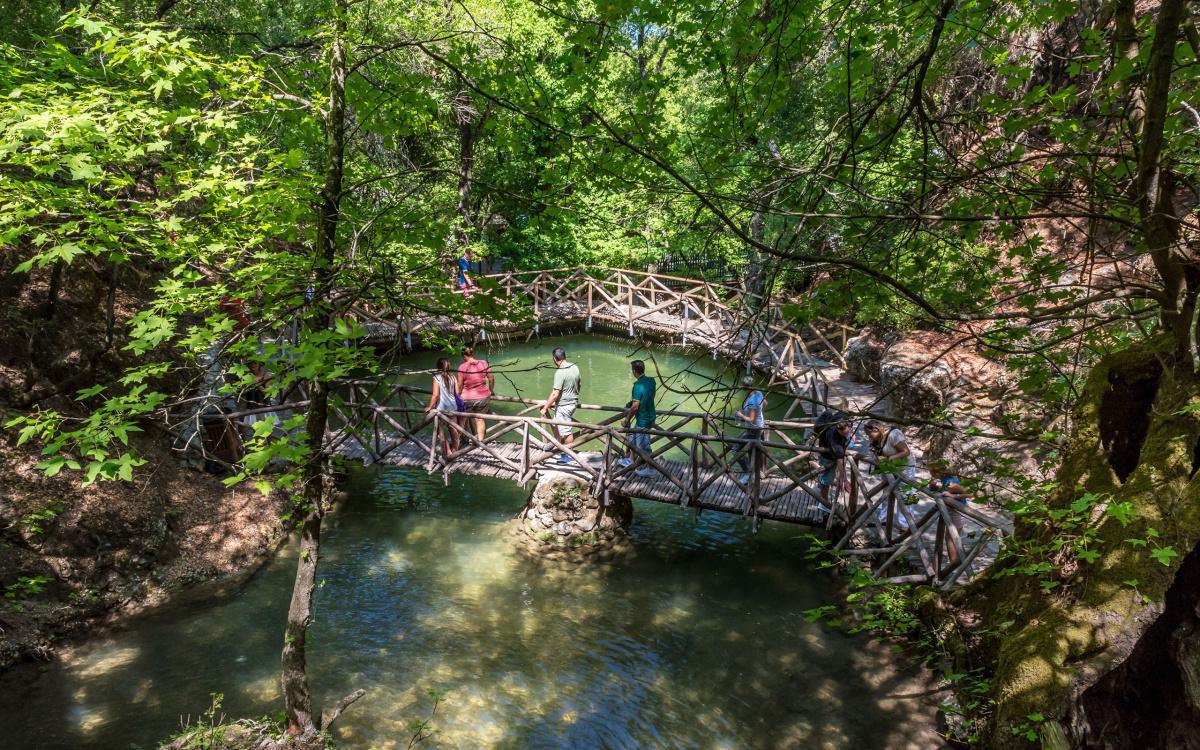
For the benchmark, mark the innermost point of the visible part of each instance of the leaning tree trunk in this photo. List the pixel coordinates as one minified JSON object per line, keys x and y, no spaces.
{"x":298,"y":708}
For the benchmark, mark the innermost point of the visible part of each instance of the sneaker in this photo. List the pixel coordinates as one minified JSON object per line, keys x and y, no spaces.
{"x":645,"y":472}
{"x":626,"y":461}
{"x":565,"y":459}
{"x":744,"y":478}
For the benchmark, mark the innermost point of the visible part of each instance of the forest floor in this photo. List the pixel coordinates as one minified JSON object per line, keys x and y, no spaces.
{"x":80,"y":559}
{"x":77,"y":559}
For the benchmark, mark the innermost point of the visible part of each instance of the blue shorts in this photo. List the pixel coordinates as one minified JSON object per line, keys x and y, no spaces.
{"x":828,"y":471}
{"x":640,"y":441}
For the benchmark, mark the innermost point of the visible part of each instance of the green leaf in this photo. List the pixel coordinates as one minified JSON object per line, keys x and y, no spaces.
{"x":1164,"y":555}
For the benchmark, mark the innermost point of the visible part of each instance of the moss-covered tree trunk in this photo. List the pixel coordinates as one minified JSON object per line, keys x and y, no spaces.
{"x":1134,"y":447}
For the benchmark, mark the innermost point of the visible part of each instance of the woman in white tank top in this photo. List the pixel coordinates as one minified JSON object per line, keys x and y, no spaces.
{"x":443,"y":399}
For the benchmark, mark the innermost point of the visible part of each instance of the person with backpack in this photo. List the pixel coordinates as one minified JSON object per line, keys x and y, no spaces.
{"x":445,"y":399}
{"x":832,"y":432}
{"x":943,"y":480}
{"x":887,"y":443}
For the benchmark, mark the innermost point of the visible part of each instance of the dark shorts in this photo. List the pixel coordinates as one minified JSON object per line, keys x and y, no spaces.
{"x":476,"y":405}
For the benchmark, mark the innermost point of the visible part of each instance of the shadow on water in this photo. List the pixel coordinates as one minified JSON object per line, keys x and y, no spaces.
{"x":694,"y":640}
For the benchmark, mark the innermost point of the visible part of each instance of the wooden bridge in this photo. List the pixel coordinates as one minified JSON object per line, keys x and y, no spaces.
{"x":693,"y":462}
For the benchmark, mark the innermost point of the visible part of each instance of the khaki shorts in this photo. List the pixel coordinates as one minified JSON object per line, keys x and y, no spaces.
{"x":477,"y":405}
{"x":564,"y":413}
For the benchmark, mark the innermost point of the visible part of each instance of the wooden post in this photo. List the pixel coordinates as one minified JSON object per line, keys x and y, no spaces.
{"x":755,"y":482}
{"x":433,"y":442}
{"x":938,"y":538}
{"x":375,"y":424}
{"x":607,"y":469}
{"x":537,"y":301}
{"x":630,"y":308}
{"x":524,"y":453}
{"x":694,"y":485}
{"x":590,"y":284}
{"x":685,"y":320}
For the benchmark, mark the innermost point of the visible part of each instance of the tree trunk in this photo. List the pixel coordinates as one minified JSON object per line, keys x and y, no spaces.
{"x":1133,"y":444}
{"x":298,"y":708}
{"x":110,"y":306}
{"x":755,"y":271}
{"x":1158,"y":224}
{"x":56,"y":274}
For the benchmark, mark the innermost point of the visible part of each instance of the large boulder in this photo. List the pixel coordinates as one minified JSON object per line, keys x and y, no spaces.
{"x":864,"y":355}
{"x":918,"y":381}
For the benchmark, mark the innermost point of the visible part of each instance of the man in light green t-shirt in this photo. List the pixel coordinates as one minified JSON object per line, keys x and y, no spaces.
{"x":564,"y":398}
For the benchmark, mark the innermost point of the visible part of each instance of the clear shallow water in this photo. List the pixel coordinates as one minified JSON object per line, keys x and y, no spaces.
{"x":695,"y":640}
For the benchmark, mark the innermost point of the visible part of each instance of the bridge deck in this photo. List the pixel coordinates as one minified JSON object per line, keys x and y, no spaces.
{"x":723,"y":494}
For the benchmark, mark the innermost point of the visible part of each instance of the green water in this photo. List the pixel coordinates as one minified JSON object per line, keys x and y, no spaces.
{"x":695,"y":640}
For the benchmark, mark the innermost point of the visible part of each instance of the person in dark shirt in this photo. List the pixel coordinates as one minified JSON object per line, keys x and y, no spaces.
{"x":833,"y":438}
{"x":641,"y":411}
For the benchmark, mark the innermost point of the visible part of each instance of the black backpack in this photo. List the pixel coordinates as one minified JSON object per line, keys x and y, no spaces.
{"x":828,"y":419}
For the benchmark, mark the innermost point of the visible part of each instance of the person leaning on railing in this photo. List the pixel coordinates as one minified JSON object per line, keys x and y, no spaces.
{"x":832,"y":432}
{"x":888,"y":444}
{"x":955,"y":496}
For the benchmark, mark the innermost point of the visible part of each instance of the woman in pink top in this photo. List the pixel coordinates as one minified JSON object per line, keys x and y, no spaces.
{"x":475,"y":384}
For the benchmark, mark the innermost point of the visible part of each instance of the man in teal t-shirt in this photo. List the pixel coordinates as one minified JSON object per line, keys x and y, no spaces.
{"x":641,"y":411}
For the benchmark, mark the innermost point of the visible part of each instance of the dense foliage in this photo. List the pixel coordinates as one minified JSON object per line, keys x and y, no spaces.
{"x":1021,"y":176}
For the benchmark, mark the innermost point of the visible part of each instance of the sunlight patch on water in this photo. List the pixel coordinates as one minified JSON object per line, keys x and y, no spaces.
{"x":392,"y":559}
{"x":263,"y":688}
{"x":101,"y":663}
{"x":88,"y":720}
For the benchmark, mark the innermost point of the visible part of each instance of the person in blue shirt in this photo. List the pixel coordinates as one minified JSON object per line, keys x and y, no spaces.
{"x":641,"y":411}
{"x":465,"y":284}
{"x":752,"y":422}
{"x":955,"y":496}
